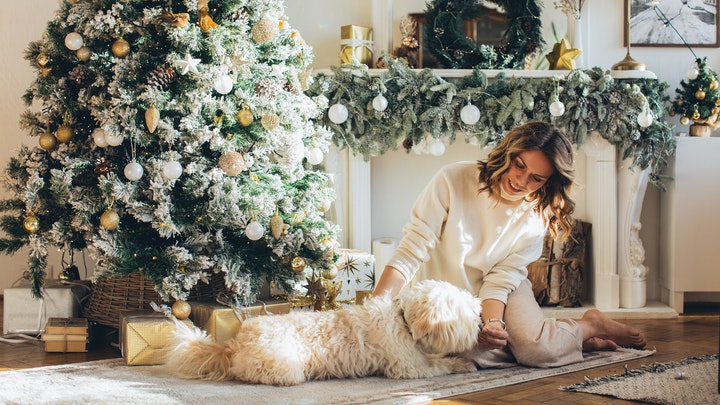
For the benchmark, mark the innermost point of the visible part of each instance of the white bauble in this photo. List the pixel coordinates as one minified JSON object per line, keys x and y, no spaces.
{"x":99,"y":137}
{"x":645,"y":118}
{"x":557,"y":108}
{"x":338,"y":113}
{"x":470,"y":114}
{"x":114,"y":140}
{"x":223,"y":84}
{"x":254,"y":230}
{"x":692,"y":73}
{"x":172,"y":170}
{"x":380,"y":103}
{"x":314,"y":156}
{"x":436,"y":147}
{"x":73,"y":41}
{"x":133,"y":171}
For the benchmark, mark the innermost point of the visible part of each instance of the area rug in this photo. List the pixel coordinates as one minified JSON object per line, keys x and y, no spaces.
{"x":690,"y":381}
{"x":111,"y":381}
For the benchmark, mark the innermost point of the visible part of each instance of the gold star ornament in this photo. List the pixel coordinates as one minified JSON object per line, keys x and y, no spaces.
{"x":563,"y":56}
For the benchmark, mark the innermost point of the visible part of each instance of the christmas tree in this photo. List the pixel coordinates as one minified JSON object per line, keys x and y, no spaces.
{"x":698,"y":98}
{"x":175,"y":140}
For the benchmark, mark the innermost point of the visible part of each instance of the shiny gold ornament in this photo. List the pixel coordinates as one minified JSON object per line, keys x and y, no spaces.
{"x":717,"y":102}
{"x":45,"y":71}
{"x":84,"y":53}
{"x":264,"y":31}
{"x":48,"y":140}
{"x":696,"y":115}
{"x":181,"y":309}
{"x":270,"y":121}
{"x":205,"y":22}
{"x":110,"y":219}
{"x":152,"y":117}
{"x":298,"y":264}
{"x":42,"y":59}
{"x":684,"y":120}
{"x":714,"y":84}
{"x":121,"y":48}
{"x":64,"y":133}
{"x":245,"y":117}
{"x":330,"y":273}
{"x":277,"y":226}
{"x":232,"y":163}
{"x":563,"y":56}
{"x":700,"y":94}
{"x":64,"y":275}
{"x":179,"y":20}
{"x":32,"y":223}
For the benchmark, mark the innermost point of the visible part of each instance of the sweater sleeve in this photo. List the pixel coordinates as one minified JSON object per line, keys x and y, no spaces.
{"x":507,"y":275}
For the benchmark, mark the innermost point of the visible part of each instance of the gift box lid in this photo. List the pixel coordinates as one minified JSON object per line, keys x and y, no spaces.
{"x":66,"y":326}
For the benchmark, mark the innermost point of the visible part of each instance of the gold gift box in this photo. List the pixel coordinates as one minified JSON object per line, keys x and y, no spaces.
{"x":66,"y":335}
{"x":357,"y":42}
{"x":221,"y":321}
{"x":144,"y":336}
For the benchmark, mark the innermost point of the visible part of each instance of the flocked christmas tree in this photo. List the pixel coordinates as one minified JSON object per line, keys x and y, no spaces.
{"x":698,"y":98}
{"x":174,"y":140}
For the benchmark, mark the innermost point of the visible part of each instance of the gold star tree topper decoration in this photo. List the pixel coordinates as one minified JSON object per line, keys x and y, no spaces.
{"x":563,"y":56}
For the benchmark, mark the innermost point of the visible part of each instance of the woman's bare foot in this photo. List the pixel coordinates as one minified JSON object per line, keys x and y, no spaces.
{"x":601,"y":332}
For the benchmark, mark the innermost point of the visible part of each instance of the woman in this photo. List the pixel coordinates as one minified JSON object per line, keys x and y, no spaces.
{"x":479,"y":224}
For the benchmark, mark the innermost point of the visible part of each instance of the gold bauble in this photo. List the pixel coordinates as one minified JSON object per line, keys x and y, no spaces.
{"x":232,"y":163}
{"x":245,"y":117}
{"x":696,"y":115}
{"x":684,"y":120}
{"x":714,"y":84}
{"x":270,"y":121}
{"x":330,"y":273}
{"x":277,"y":226}
{"x":84,"y":53}
{"x":700,"y":94}
{"x":152,"y":117}
{"x":121,"y":48}
{"x":48,"y":140}
{"x":298,"y":264}
{"x":110,"y":219}
{"x":64,"y":133}
{"x":264,"y":31}
{"x":64,"y":275}
{"x":32,"y":223}
{"x":717,"y":102}
{"x":45,"y":71}
{"x":181,"y":309}
{"x":42,"y":59}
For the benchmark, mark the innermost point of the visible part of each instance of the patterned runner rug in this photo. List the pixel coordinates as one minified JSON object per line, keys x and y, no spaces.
{"x":112,"y":382}
{"x":690,"y":381}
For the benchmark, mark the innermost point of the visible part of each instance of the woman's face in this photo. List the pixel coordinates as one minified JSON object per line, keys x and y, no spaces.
{"x":528,"y":171}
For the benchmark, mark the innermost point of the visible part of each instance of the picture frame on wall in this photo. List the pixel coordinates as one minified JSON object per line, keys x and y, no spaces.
{"x":673,"y":23}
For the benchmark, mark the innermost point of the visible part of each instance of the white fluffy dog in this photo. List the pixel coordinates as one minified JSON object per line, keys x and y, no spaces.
{"x":414,"y":335}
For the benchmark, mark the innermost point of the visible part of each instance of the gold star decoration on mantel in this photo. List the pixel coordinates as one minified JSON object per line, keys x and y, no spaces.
{"x":563,"y":56}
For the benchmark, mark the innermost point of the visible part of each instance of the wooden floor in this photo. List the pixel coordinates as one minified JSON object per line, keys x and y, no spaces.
{"x":674,"y":339}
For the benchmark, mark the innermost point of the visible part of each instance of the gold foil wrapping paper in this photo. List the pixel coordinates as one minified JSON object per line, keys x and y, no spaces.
{"x":144,"y":336}
{"x":222,"y":322}
{"x":356,"y":42}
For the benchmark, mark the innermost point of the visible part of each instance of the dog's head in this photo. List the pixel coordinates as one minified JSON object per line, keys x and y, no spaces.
{"x":442,"y":318}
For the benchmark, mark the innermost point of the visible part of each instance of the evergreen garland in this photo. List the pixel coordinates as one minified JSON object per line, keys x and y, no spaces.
{"x":423,"y":107}
{"x":447,"y":41}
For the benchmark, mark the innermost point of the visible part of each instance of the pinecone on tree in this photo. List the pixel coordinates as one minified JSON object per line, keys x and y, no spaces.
{"x":79,"y":75}
{"x":266,"y":87}
{"x":162,"y":77}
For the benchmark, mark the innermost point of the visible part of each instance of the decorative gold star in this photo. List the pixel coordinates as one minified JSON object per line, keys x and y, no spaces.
{"x":562,"y":56}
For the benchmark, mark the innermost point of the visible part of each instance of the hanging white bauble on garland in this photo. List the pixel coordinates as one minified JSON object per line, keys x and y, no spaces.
{"x":436,"y":147}
{"x":692,"y":73}
{"x":133,"y":171}
{"x":223,"y":84}
{"x":114,"y":140}
{"x":73,"y":41}
{"x":314,"y":156}
{"x":338,"y":113}
{"x":470,"y":114}
{"x":380,"y":103}
{"x":254,"y":230}
{"x":645,"y":118}
{"x":172,"y":170}
{"x":557,"y":108}
{"x":99,"y":138}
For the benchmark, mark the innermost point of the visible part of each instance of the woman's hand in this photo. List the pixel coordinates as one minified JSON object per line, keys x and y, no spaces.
{"x":492,"y":336}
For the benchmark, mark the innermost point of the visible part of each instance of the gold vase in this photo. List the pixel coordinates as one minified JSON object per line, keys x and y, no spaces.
{"x":700,"y":130}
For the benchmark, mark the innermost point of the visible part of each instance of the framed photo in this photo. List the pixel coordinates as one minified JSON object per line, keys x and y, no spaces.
{"x":673,"y":23}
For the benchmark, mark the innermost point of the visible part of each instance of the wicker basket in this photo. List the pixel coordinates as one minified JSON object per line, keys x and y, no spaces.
{"x":111,"y":296}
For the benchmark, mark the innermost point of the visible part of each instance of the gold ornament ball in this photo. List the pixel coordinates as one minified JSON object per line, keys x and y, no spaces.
{"x":64,"y":275}
{"x":64,"y":133}
{"x":684,"y":120}
{"x":696,"y":115}
{"x":330,"y":274}
{"x":110,"y":219}
{"x":270,"y":121}
{"x":121,"y":48}
{"x":714,"y":84}
{"x":48,"y":140}
{"x":181,"y":309}
{"x":84,"y":53}
{"x":298,"y":264}
{"x":700,"y":94}
{"x":264,"y":31}
{"x":245,"y":117}
{"x":32,"y":223}
{"x":42,"y":59}
{"x":232,"y":163}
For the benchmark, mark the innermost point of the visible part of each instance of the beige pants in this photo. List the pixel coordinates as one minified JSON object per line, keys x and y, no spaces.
{"x":534,"y":340}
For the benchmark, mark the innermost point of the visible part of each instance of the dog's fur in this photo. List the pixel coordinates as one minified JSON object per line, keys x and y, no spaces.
{"x":413,"y":335}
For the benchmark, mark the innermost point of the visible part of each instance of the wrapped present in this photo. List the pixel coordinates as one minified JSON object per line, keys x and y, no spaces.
{"x":144,"y":336}
{"x":356,"y":271}
{"x":26,"y":314}
{"x":66,"y":335}
{"x":356,"y":44}
{"x":223,"y":322}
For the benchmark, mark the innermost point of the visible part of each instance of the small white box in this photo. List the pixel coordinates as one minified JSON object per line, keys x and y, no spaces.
{"x":26,"y":314}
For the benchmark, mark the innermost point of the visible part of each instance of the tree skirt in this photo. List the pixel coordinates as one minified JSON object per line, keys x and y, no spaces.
{"x":111,"y":381}
{"x":690,"y":381}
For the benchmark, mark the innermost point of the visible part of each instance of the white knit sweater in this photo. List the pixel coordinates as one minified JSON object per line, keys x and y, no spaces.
{"x":467,"y":238}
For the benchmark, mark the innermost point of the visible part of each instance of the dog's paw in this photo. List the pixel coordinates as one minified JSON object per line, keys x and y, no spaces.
{"x":461,"y":365}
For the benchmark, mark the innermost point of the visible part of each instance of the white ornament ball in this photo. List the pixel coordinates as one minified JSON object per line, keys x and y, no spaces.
{"x":114,"y":140}
{"x":314,"y":156}
{"x":133,"y":171}
{"x":223,"y":84}
{"x":436,"y":147}
{"x":73,"y":41}
{"x":645,"y":118}
{"x":172,"y":170}
{"x":380,"y":103}
{"x":693,"y":73}
{"x":557,"y":108}
{"x":254,"y":230}
{"x":338,"y":113}
{"x":99,"y":137}
{"x":470,"y":114}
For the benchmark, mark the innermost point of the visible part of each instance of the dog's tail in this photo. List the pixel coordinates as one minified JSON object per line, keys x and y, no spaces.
{"x":193,"y":354}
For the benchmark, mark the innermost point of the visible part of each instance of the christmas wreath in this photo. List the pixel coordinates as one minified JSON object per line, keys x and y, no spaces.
{"x":447,"y":41}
